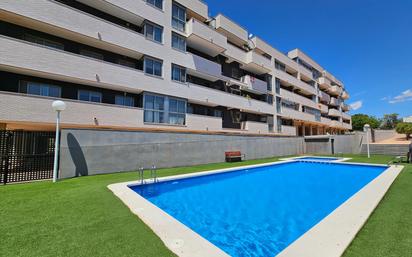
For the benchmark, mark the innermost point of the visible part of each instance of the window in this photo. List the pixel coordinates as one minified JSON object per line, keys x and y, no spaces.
{"x":90,"y":96}
{"x":178,"y":42}
{"x":127,"y":63}
{"x":91,"y":54}
{"x":177,"y":111}
{"x":178,"y":73}
{"x":269,"y":99}
{"x":34,"y":88}
{"x":43,"y":41}
{"x":156,"y":3}
{"x":124,"y":100}
{"x":154,"y":109}
{"x":277,"y":85}
{"x":153,"y":32}
{"x":153,"y":67}
{"x":163,"y":109}
{"x":178,"y":17}
{"x":280,"y":66}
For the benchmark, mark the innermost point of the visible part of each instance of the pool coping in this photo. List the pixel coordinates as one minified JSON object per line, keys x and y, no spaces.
{"x":339,"y":159}
{"x":329,"y":238}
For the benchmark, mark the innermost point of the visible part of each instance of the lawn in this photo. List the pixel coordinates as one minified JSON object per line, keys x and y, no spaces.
{"x":81,"y":217}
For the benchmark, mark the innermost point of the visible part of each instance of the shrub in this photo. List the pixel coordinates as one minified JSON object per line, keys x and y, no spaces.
{"x":404,"y":128}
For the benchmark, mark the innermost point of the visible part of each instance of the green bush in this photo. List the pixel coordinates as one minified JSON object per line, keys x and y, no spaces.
{"x":404,"y":128}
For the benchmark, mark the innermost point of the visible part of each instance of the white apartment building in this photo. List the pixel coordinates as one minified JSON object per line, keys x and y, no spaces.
{"x":156,"y":65}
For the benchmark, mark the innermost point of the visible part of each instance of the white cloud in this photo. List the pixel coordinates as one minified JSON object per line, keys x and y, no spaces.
{"x":356,"y":105}
{"x":405,"y":96}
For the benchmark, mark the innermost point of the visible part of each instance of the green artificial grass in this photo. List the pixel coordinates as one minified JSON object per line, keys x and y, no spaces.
{"x":81,"y":217}
{"x":388,"y":232}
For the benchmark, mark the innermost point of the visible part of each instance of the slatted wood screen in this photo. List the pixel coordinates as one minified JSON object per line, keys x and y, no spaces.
{"x":26,"y":156}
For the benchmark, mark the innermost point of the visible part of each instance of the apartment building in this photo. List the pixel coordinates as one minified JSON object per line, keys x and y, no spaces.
{"x":156,"y":65}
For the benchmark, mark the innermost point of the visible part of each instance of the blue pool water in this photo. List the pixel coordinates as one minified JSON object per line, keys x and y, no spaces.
{"x":322,"y":159}
{"x":260,"y":211}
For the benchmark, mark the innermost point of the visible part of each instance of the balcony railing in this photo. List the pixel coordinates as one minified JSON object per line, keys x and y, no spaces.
{"x":254,"y":84}
{"x":205,"y":38}
{"x":288,"y":130}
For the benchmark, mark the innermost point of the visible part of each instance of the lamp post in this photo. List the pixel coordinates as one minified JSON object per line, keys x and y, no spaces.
{"x":58,"y":107}
{"x":366,"y":128}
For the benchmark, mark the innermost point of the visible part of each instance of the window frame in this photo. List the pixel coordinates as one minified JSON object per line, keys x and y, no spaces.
{"x":90,"y":92}
{"x":45,"y":42}
{"x":165,"y":114}
{"x":177,"y":19}
{"x":153,"y":3}
{"x":153,"y":60}
{"x":154,"y":27}
{"x":182,"y":38}
{"x":182,"y":73}
{"x":124,"y":97}
{"x":42,"y":86}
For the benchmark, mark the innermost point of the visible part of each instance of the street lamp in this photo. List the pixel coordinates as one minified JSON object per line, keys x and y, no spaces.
{"x":58,"y":107}
{"x":366,"y":128}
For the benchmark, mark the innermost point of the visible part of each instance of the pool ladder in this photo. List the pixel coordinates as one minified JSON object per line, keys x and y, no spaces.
{"x":153,"y":174}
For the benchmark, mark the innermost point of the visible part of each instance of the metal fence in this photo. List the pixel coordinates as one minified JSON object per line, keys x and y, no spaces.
{"x":26,"y":156}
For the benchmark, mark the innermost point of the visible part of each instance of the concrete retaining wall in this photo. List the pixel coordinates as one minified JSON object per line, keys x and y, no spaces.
{"x":380,"y":135}
{"x":346,"y":144}
{"x":90,"y":152}
{"x":386,"y":149}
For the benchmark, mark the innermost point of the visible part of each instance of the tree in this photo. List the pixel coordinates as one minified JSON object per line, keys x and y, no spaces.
{"x":404,"y":128}
{"x":359,"y":121}
{"x":390,"y":121}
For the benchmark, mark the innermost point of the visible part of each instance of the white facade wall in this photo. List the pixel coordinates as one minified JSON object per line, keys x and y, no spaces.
{"x":58,"y":19}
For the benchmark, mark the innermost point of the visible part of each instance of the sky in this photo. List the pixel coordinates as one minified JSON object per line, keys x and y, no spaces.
{"x":367,"y":44}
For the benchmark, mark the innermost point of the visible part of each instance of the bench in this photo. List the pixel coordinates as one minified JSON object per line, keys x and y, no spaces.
{"x":234,"y":156}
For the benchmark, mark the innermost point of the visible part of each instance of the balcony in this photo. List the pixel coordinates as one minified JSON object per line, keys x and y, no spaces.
{"x":17,"y":56}
{"x":335,"y":90}
{"x":325,"y":121}
{"x":87,"y":29}
{"x":195,"y":7}
{"x":334,"y":102}
{"x":324,"y":98}
{"x":86,"y":114}
{"x":345,"y":95}
{"x":345,"y":107}
{"x":203,"y":123}
{"x":204,"y":38}
{"x":334,"y":113}
{"x":254,"y":85}
{"x":324,"y":108}
{"x":18,"y":108}
{"x":346,"y":116}
{"x":341,"y":125}
{"x":324,"y":83}
{"x":293,"y":81}
{"x":205,"y":69}
{"x":288,"y":130}
{"x":297,"y":115}
{"x":297,"y":98}
{"x":233,"y":31}
{"x":255,"y":127}
{"x":257,"y":63}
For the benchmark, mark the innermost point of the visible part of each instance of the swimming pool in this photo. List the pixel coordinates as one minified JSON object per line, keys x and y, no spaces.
{"x":321,"y":159}
{"x":259,"y":211}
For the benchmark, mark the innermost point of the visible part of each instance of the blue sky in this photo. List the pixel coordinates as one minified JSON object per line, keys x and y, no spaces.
{"x":367,"y":44}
